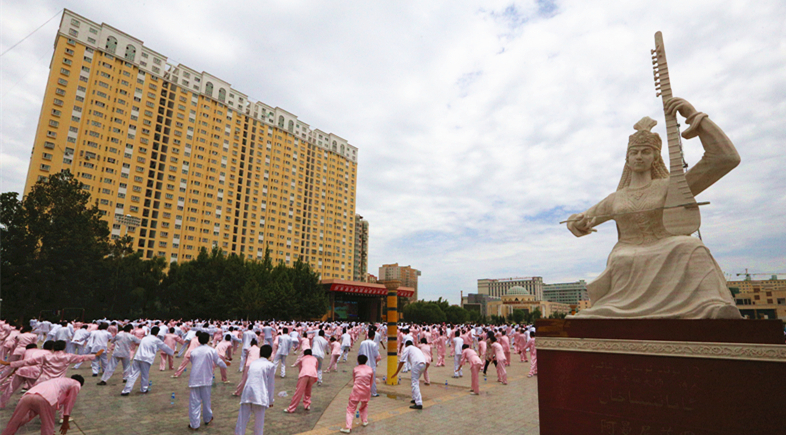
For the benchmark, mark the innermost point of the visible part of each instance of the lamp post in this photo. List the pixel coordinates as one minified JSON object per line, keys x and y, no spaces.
{"x":392,"y":286}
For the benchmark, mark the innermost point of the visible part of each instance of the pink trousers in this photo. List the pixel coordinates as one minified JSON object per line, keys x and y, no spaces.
{"x":223,"y":374}
{"x":164,"y":358}
{"x":28,"y":407}
{"x":303,"y":391}
{"x":15,"y":383}
{"x":533,"y":366}
{"x":507,"y":357}
{"x":183,"y":365}
{"x":333,"y":363}
{"x":353,"y":405}
{"x":441,"y":358}
{"x":502,"y":374}
{"x":242,"y":384}
{"x":475,"y":369}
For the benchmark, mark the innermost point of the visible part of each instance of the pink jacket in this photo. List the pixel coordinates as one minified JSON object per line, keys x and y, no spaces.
{"x":362,"y":377}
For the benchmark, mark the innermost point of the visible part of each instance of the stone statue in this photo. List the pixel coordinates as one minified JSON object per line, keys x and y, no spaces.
{"x":651,"y":273}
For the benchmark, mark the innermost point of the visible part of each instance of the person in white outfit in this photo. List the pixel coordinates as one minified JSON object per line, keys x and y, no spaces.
{"x":203,"y":361}
{"x":458,"y":343}
{"x":258,"y":393}
{"x":121,"y":354}
{"x":318,"y":348}
{"x":346,"y":344}
{"x":143,"y":358}
{"x":284,"y":346}
{"x":417,"y":363}
{"x":369,"y":348}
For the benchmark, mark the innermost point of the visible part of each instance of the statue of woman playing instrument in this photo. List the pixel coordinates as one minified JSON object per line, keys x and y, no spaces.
{"x":651,"y":273}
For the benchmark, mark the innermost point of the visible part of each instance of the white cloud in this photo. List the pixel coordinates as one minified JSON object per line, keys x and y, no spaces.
{"x":480,"y":124}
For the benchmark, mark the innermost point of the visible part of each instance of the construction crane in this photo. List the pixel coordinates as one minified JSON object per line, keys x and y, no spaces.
{"x":747,"y":275}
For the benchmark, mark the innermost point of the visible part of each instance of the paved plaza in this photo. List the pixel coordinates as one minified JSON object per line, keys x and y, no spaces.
{"x":503,"y":409}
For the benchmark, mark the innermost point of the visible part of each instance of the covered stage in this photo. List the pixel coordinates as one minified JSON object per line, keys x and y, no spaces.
{"x":359,"y":301}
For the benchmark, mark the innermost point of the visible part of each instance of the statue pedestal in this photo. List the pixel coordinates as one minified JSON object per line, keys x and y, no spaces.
{"x":661,"y":377}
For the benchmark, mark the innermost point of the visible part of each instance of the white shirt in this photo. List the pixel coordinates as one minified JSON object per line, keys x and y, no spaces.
{"x":284,"y":345}
{"x":247,"y":337}
{"x":412,"y":355}
{"x":123,"y":342}
{"x":203,"y":360}
{"x":346,"y":340}
{"x":370,"y":350}
{"x":80,"y":336}
{"x":149,"y":347}
{"x":458,"y":343}
{"x":99,"y":340}
{"x":260,"y":382}
{"x":319,"y":346}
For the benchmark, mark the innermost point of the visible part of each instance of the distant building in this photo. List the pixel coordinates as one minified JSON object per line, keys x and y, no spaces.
{"x":499,"y":287}
{"x":765,"y":299}
{"x":519,"y":298}
{"x":477,"y":302}
{"x":406,"y":274}
{"x":583,"y":305}
{"x":360,"y":257}
{"x":371,"y":278}
{"x":566,"y":293}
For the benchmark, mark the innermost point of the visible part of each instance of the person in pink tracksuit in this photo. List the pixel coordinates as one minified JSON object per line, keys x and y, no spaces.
{"x":187,"y":357}
{"x":44,"y":400}
{"x":171,"y":339}
{"x":426,"y":349}
{"x":441,"y":348}
{"x":499,"y":355}
{"x":468,"y":355}
{"x":25,"y":376}
{"x":335,"y":354}
{"x":224,"y":349}
{"x":305,"y":380}
{"x":504,"y":340}
{"x":55,"y":364}
{"x":362,"y":376}
{"x":533,"y":367}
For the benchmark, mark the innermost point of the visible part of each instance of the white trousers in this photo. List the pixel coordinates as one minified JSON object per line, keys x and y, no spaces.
{"x":99,"y":363}
{"x":417,"y":369}
{"x":282,"y":359}
{"x":246,"y":409}
{"x":456,"y":370}
{"x":243,"y":355}
{"x":110,"y":368}
{"x":319,"y":368}
{"x":199,"y":401}
{"x":138,"y":368}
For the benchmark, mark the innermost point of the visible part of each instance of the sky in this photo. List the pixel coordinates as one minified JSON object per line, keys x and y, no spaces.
{"x":480,"y":125}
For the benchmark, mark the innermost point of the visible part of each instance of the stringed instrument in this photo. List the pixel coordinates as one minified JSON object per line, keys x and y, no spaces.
{"x":681,"y":214}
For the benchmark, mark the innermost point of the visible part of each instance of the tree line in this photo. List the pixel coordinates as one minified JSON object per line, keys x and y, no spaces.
{"x":440,"y":311}
{"x":56,"y":254}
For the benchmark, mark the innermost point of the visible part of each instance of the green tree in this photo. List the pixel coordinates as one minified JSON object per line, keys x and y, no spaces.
{"x":456,"y":314}
{"x":424,"y":312}
{"x":53,"y":246}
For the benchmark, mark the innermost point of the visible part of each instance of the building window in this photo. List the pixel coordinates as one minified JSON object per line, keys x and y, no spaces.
{"x":130,"y":52}
{"x":111,"y":44}
{"x":209,"y":88}
{"x":222,"y":94}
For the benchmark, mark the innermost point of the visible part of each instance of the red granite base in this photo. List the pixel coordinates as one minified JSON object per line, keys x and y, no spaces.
{"x":698,"y":377}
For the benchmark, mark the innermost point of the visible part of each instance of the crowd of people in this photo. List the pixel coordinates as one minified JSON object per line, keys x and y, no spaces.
{"x":262,"y":349}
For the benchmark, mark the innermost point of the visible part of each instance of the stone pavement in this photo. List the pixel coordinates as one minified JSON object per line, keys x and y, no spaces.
{"x":503,"y":409}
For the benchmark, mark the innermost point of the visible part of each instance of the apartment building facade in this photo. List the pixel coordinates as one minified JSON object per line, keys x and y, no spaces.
{"x":180,"y":160}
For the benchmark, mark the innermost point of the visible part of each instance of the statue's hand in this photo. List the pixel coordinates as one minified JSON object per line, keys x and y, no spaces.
{"x":680,"y":105}
{"x":580,"y":225}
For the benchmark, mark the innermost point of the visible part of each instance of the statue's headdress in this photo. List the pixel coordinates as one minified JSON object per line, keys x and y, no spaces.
{"x":645,"y":137}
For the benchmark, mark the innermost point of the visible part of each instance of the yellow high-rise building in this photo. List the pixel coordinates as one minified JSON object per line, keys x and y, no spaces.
{"x":180,"y":160}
